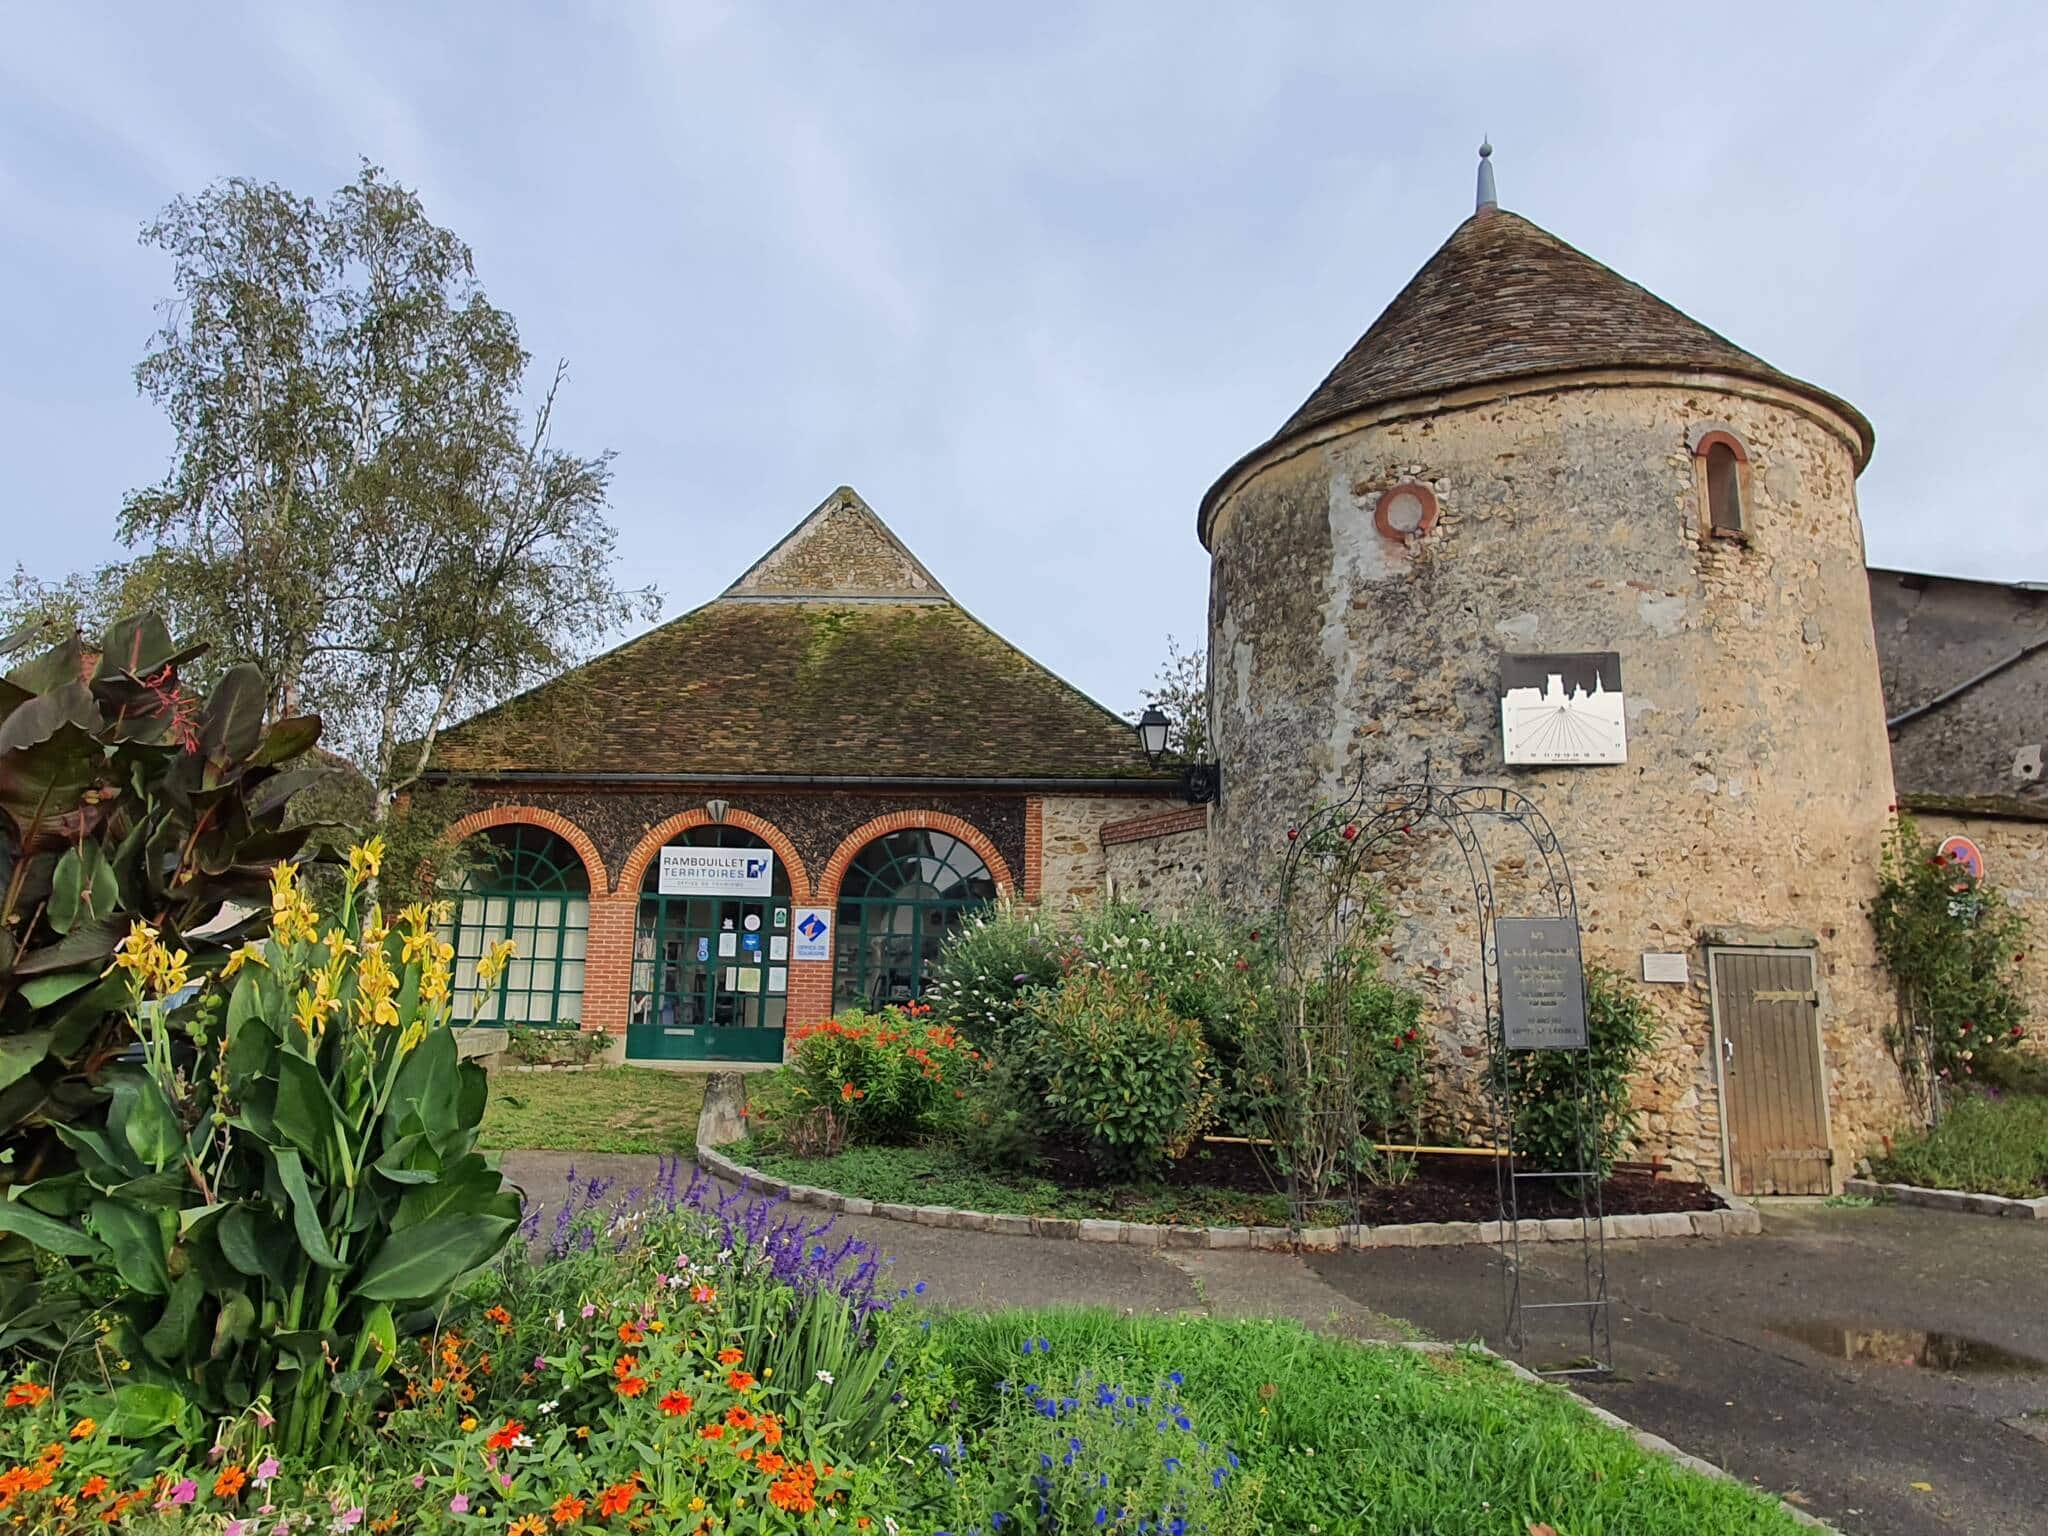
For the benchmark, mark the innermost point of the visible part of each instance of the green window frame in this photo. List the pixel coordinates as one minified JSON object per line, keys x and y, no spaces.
{"x":687,"y":1001}
{"x":535,"y":892}
{"x":903,"y":896}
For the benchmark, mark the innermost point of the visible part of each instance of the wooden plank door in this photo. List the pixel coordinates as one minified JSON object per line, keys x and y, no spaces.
{"x":1773,"y":1097}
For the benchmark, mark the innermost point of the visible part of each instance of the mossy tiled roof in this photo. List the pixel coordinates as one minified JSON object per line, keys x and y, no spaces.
{"x":788,"y":674}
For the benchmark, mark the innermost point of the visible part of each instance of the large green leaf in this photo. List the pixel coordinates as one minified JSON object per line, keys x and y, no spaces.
{"x":83,"y":885}
{"x":87,"y":944}
{"x":135,"y":1241}
{"x":22,"y":1054}
{"x":42,"y":717}
{"x":306,"y":1215}
{"x":47,"y":1233}
{"x":42,"y":991}
{"x":274,"y":791}
{"x":305,"y":1114}
{"x":376,"y":1341}
{"x":140,"y":1409}
{"x":143,"y":1118}
{"x":409,"y":1160}
{"x":42,"y":787}
{"x":231,"y":727}
{"x":170,"y":1338}
{"x":287,"y":739}
{"x":424,"y":1261}
{"x":236,"y":1322}
{"x":254,"y":1244}
{"x":467,"y":1186}
{"x":423,"y":1099}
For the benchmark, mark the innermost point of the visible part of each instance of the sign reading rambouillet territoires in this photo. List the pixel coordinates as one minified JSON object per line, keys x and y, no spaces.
{"x":1542,"y":987}
{"x":688,"y":871}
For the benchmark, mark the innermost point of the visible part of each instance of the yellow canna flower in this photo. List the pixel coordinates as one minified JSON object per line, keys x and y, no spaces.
{"x":250,"y":953}
{"x":306,"y":1012}
{"x":494,"y":961}
{"x":137,"y":953}
{"x":364,"y":861}
{"x":170,"y":973}
{"x":338,"y":945}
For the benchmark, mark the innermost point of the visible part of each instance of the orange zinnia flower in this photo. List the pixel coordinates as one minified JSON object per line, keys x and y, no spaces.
{"x":83,"y":1428}
{"x":26,"y":1394}
{"x":501,"y":1439}
{"x":738,"y":1417}
{"x":729,"y":1357}
{"x":767,"y":1463}
{"x":703,"y":1295}
{"x":229,"y":1483}
{"x":527,"y":1525}
{"x":616,"y":1499}
{"x":711,"y":1432}
{"x":631,"y":1332}
{"x":770,"y":1427}
{"x":568,"y":1510}
{"x":625,"y":1366}
{"x":94,"y":1487}
{"x":632,"y":1386}
{"x":676,"y":1404}
{"x":740,"y":1381}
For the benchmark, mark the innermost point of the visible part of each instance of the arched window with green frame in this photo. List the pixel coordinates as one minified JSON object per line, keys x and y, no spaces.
{"x":904,"y":894}
{"x":530,"y":888}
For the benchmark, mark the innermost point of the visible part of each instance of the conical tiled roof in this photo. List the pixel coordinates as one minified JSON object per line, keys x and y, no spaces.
{"x":1504,"y":299}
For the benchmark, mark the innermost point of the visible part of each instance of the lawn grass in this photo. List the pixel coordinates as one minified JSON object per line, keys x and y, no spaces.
{"x":614,"y":1109}
{"x":938,"y":1175}
{"x":1339,"y":1439}
{"x":1988,"y":1146}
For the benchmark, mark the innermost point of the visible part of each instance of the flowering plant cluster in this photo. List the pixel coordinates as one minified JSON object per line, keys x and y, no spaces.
{"x":891,"y":1076}
{"x":1954,"y":945}
{"x":289,"y":1170}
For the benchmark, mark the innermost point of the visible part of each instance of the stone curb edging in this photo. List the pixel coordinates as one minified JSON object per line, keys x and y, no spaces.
{"x":1739,"y":1220}
{"x":1656,"y":1445}
{"x":1950,"y":1199}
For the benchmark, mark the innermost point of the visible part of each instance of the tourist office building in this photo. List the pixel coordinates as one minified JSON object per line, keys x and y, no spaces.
{"x":1538,"y":530}
{"x":779,"y":805}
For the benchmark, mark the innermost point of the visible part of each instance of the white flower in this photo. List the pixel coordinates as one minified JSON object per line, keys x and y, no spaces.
{"x":521,"y":1442}
{"x":561,"y":1322}
{"x":550,"y":1406}
{"x":825,"y":1377}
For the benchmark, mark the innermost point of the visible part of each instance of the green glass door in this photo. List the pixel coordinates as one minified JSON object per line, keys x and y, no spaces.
{"x":710,"y":979}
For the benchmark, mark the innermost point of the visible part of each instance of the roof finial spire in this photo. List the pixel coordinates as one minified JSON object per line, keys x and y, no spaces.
{"x":1487,"y":199}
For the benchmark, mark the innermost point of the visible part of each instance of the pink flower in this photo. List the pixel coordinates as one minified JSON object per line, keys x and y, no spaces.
{"x":419,"y":1479}
{"x":459,"y":1505}
{"x":185,"y":1492}
{"x":216,"y":1453}
{"x":589,"y":1310}
{"x":263,"y":1420}
{"x":235,"y":1528}
{"x":504,"y":1479}
{"x":266,"y":1469}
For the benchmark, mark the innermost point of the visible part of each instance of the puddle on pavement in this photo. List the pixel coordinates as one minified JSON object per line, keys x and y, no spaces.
{"x":1953,"y":1353}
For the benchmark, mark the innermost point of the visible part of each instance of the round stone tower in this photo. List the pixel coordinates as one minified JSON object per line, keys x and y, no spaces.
{"x":1530,"y":487}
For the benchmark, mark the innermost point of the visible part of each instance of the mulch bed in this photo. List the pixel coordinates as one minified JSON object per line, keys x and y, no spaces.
{"x":1443,"y":1188}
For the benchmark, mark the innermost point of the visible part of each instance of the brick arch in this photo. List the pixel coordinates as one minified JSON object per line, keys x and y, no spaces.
{"x":1720,"y":437}
{"x":902,"y":821}
{"x":635,"y":868}
{"x":534,"y":816}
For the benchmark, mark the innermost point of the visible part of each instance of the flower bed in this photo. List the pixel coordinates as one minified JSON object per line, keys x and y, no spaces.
{"x":1988,"y":1144}
{"x":685,"y":1361}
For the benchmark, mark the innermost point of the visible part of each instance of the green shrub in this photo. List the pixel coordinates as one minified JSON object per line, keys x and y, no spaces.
{"x":1953,"y":944}
{"x":891,"y":1076}
{"x":1988,"y":1144}
{"x":1548,"y":1088}
{"x":268,"y":1193}
{"x":990,"y":968}
{"x":566,"y":1044}
{"x":1120,"y":1072}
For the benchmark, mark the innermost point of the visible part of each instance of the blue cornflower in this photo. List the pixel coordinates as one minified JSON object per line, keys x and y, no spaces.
{"x":1172,"y":1463}
{"x":1216,"y":1477}
{"x":1105,"y":1396}
{"x":1181,"y":1421}
{"x":919,"y":1289}
{"x":1101,"y":1515}
{"x":1178,"y":1528}
{"x":1175,"y":1377}
{"x":1044,"y":1461}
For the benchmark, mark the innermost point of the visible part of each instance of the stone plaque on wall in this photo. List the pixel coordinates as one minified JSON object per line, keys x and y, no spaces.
{"x":1542,"y":987}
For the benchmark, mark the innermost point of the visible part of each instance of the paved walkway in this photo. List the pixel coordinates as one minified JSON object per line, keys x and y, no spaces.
{"x":1779,"y":1357}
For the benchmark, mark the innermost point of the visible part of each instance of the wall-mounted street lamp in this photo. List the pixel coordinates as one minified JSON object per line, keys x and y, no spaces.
{"x":1200,"y":783}
{"x":716,"y":810}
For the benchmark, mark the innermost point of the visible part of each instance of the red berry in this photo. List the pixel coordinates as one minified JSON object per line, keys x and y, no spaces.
{"x":1293,"y":833}
{"x":1350,"y":831}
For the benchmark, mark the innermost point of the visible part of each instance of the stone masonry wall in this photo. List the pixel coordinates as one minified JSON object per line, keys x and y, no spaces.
{"x":1755,"y":795}
{"x":1163,"y":867}
{"x":1075,"y":871}
{"x":2016,"y":863}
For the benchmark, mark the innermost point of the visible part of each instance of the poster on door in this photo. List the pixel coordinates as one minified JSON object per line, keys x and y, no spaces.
{"x":688,"y":871}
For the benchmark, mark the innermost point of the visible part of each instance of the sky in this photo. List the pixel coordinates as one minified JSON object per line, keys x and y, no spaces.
{"x":1030,"y":277}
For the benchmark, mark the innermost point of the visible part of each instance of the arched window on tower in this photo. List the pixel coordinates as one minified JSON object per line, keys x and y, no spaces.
{"x":1723,"y":485}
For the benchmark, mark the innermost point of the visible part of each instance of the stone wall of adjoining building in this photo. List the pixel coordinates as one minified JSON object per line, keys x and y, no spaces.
{"x":1074,"y":870}
{"x":1160,"y":861}
{"x":1755,"y":795}
{"x":2015,"y":863}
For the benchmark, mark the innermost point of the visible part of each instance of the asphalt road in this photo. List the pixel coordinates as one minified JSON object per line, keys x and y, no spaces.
{"x":1886,"y":1368}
